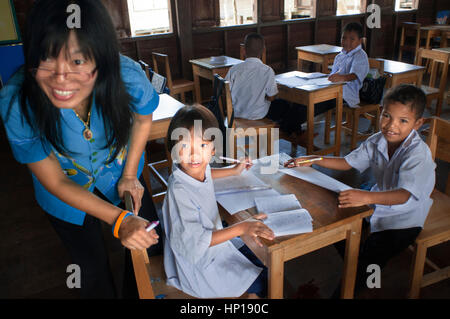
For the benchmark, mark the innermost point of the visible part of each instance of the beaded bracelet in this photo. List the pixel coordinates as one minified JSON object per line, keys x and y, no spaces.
{"x":124,"y":214}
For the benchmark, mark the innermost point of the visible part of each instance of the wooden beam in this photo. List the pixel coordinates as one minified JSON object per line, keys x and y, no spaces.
{"x":184,"y":32}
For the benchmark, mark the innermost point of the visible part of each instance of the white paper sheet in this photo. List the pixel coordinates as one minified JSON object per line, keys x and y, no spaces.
{"x":290,"y":222}
{"x":313,"y":176}
{"x":313,"y":75}
{"x":275,"y":204}
{"x":238,"y":201}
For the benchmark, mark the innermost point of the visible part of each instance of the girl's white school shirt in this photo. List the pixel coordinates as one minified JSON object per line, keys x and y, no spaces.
{"x":189,"y":217}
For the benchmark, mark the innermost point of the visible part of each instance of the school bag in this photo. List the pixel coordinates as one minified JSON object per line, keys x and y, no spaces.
{"x":372,"y":90}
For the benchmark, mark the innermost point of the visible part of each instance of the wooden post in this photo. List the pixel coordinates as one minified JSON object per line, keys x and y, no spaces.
{"x":184,"y":31}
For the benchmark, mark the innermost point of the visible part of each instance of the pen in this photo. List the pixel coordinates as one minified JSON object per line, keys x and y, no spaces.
{"x":152,"y":225}
{"x":310,"y":160}
{"x":229,"y":159}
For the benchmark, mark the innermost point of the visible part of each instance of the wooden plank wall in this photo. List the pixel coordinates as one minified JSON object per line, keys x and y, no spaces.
{"x":198,"y":35}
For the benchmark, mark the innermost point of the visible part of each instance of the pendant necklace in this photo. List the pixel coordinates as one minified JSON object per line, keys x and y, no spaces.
{"x":87,"y":133}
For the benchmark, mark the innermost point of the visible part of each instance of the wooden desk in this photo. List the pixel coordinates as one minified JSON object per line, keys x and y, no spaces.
{"x":433,"y":31}
{"x":162,"y":116}
{"x":330,"y":225}
{"x":401,"y":72}
{"x":323,"y":54}
{"x":205,"y":69}
{"x":309,"y":95}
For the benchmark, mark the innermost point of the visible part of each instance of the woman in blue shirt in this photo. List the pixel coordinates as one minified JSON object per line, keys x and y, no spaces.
{"x":79,"y":114}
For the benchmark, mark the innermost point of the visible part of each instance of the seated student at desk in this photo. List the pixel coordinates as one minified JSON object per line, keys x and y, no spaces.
{"x":199,"y":256}
{"x":404,"y":172}
{"x":351,"y":66}
{"x":253,"y":87}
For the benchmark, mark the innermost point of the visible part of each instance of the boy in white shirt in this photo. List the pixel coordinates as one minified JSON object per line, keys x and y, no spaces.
{"x":404,"y":172}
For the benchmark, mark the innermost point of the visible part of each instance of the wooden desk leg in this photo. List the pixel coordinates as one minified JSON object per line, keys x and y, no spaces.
{"x":198,"y":93}
{"x":146,"y":173}
{"x":299,"y":64}
{"x":310,"y":126}
{"x":325,"y":65}
{"x":351,"y":259}
{"x":338,"y":125}
{"x":276,"y":274}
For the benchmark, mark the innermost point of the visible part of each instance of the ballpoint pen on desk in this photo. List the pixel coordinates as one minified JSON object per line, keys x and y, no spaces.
{"x":152,"y":225}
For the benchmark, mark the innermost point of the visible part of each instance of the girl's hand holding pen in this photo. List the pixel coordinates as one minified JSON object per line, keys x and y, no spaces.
{"x":255,"y":228}
{"x":302,"y":161}
{"x":244,"y":163}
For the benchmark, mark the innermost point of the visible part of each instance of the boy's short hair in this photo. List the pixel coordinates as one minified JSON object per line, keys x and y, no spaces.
{"x":354,"y":27}
{"x":407,"y":94}
{"x":186,"y":117}
{"x":254,"y":44}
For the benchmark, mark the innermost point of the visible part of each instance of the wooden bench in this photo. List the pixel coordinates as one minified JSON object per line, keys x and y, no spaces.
{"x":437,"y":225}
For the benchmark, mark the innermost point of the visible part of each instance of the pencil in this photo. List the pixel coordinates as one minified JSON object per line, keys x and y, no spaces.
{"x":310,"y":160}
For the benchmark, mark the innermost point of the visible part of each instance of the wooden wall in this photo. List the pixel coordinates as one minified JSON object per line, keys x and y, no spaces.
{"x":196,"y":34}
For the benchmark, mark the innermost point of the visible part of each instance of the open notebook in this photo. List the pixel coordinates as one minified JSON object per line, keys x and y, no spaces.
{"x":285,"y":216}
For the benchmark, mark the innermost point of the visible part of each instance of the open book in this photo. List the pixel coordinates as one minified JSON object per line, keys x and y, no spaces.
{"x":285,"y":216}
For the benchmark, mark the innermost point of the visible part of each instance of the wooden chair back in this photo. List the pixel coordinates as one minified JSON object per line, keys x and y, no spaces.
{"x":161,"y":66}
{"x":146,"y":68}
{"x":409,"y":30}
{"x":377,"y":64}
{"x":439,"y":142}
{"x":438,"y":60}
{"x":242,"y":53}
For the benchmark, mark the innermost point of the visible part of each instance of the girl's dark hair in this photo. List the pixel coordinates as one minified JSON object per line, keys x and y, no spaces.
{"x":407,"y":94}
{"x":186,"y":117}
{"x":46,"y":34}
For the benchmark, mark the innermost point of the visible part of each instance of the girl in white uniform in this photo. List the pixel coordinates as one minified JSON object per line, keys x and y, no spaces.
{"x":199,"y":257}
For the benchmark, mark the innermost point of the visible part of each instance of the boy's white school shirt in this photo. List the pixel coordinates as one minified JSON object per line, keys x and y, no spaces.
{"x":250,"y":82}
{"x":356,"y":62}
{"x":189,"y":216}
{"x":411,"y":168}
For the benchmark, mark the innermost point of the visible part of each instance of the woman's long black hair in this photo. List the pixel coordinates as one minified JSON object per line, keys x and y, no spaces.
{"x":45,"y":35}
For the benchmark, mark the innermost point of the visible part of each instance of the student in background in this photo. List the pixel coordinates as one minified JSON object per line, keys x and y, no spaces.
{"x":351,"y":65}
{"x":199,"y":257}
{"x":404,"y":172}
{"x":253,"y":87}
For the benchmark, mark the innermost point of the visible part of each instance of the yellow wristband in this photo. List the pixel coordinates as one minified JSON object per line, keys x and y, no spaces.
{"x":124,"y":214}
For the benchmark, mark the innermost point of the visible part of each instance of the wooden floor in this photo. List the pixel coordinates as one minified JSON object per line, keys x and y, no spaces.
{"x":33,"y":261}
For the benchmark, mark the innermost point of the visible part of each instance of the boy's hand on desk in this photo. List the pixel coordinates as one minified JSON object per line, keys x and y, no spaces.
{"x":256,"y":228}
{"x":245,"y":163}
{"x":353,"y":198}
{"x":337,"y":78}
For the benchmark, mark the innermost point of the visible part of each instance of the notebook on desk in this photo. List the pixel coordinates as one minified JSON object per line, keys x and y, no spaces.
{"x":285,"y":215}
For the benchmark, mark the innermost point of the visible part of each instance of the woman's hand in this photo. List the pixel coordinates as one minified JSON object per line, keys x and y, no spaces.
{"x":133,"y":235}
{"x":256,"y":228}
{"x":131,"y":184}
{"x":354,"y":198}
{"x":295,"y":162}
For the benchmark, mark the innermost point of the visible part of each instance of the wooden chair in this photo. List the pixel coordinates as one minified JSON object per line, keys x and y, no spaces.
{"x":437,"y":60}
{"x":242,"y":53}
{"x":437,"y":225}
{"x":352,"y":115}
{"x":409,"y":30}
{"x":243,"y":127}
{"x":176,"y":86}
{"x":149,"y":272}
